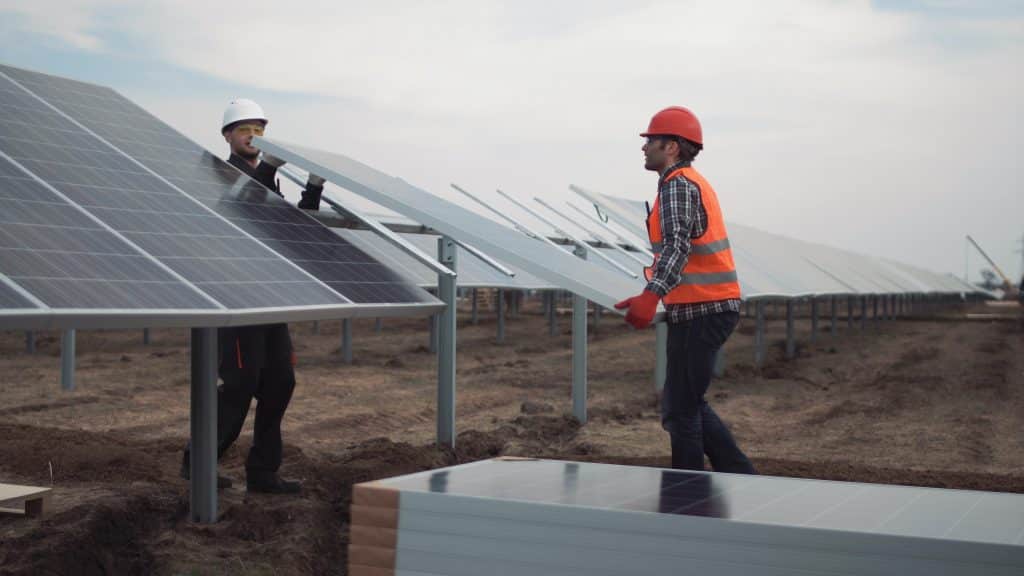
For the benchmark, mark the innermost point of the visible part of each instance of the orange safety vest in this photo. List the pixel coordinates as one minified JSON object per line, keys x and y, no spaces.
{"x":710,"y":273}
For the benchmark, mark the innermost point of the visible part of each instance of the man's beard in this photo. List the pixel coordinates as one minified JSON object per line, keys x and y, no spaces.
{"x":248,"y":155}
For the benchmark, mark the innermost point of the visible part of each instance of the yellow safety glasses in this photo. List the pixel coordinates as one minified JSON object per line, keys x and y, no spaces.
{"x":249,"y":130}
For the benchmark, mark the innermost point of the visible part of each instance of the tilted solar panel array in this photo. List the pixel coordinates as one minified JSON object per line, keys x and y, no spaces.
{"x":105,"y":207}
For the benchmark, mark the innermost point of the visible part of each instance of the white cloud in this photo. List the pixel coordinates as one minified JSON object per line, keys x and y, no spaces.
{"x":74,"y":22}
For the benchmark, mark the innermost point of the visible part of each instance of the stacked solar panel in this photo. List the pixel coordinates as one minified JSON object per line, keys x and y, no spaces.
{"x":516,"y":517}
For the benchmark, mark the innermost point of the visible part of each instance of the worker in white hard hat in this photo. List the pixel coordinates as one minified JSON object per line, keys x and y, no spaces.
{"x":256,"y":361}
{"x":244,"y":119}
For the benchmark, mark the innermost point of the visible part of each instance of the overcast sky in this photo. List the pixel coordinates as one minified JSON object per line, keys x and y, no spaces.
{"x":889,"y":128}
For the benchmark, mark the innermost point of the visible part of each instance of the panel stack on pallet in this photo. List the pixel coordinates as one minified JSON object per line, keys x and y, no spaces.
{"x":545,"y":518}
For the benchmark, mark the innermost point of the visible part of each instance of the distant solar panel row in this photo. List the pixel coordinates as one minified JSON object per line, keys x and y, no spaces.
{"x":773,"y":265}
{"x":104,"y":207}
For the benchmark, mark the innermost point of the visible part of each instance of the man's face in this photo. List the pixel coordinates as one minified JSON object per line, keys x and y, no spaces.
{"x":658,"y":153}
{"x":240,"y":138}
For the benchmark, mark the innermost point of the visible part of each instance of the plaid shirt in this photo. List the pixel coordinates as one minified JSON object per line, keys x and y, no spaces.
{"x":682,"y":217}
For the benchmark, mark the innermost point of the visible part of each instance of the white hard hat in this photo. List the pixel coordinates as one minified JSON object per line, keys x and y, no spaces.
{"x":242,"y":109}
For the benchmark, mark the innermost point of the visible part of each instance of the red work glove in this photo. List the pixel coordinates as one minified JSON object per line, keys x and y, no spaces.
{"x":641,"y":309}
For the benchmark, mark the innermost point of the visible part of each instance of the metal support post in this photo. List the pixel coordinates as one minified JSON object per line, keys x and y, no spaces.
{"x":346,"y":340}
{"x":834,"y":305}
{"x":552,"y":314}
{"x":579,"y":351}
{"x":30,"y":342}
{"x":660,"y":355}
{"x":432,"y":326}
{"x":814,"y":319}
{"x":203,"y":462}
{"x":474,"y":315}
{"x":885,"y":307}
{"x":849,"y":311}
{"x":145,"y":336}
{"x":501,"y":316}
{"x":791,"y":338}
{"x":863,"y":312}
{"x":719,"y":368}
{"x":67,"y":360}
{"x":759,"y":333}
{"x":874,"y":306}
{"x":378,"y":325}
{"x":446,"y":290}
{"x":316,"y":327}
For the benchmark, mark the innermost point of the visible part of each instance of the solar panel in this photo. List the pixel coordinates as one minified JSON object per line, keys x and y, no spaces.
{"x":325,"y":258}
{"x":536,"y":257}
{"x":65,"y":259}
{"x":155,"y":222}
{"x":531,"y":517}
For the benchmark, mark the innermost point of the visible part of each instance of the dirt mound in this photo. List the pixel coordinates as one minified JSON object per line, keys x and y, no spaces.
{"x":111,"y":537}
{"x":82,"y":456}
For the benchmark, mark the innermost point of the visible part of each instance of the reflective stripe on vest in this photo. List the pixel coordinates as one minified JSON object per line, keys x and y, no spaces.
{"x":710,"y":273}
{"x":711,"y":248}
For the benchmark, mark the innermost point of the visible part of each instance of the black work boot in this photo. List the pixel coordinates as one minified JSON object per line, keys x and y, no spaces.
{"x":186,"y":473}
{"x":271,"y":483}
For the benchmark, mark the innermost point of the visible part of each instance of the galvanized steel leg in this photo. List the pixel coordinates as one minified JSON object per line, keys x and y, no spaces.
{"x":719,"y":369}
{"x":814,"y":319}
{"x":552,"y":314}
{"x":660,"y":355}
{"x":447,"y":255}
{"x":474,"y":316}
{"x":316,"y":326}
{"x":579,"y":352}
{"x":432,"y":326}
{"x":759,"y":333}
{"x":145,"y":336}
{"x":346,"y":341}
{"x":378,"y":325}
{"x":67,"y":360}
{"x":203,"y":483}
{"x":834,"y":304}
{"x":790,"y":336}
{"x":849,"y":312}
{"x":863,"y":312}
{"x":30,"y":342}
{"x":501,"y":316}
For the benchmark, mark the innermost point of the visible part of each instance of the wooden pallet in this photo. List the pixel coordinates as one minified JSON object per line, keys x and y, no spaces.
{"x":24,"y":500}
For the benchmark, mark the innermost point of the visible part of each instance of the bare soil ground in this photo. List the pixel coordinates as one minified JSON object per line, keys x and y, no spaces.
{"x":933,"y":402}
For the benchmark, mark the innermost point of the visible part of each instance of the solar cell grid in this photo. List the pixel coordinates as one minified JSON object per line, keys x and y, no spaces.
{"x":223,"y":189}
{"x":99,"y":178}
{"x":67,"y":260}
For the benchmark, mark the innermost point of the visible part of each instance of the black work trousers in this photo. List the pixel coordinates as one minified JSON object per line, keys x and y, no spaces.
{"x":693,"y":426}
{"x":272,"y":386}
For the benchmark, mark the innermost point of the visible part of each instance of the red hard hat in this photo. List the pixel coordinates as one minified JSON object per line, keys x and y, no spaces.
{"x":676,"y":121}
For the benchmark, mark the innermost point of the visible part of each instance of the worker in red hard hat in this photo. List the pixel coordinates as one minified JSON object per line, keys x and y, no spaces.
{"x":694,"y":276}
